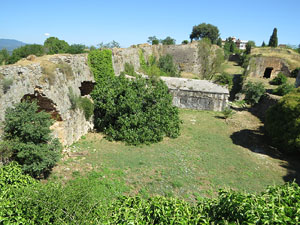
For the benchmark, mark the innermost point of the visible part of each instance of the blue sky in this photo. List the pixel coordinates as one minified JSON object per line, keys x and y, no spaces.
{"x":132,"y":22}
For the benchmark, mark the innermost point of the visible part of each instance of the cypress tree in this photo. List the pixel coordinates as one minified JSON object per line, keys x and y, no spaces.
{"x":219,"y":42}
{"x":273,"y":39}
{"x":263,"y":44}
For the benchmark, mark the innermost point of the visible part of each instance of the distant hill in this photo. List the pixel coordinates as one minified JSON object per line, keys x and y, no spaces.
{"x":10,"y":44}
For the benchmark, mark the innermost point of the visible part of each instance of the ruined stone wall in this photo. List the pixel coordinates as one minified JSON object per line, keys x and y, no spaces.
{"x":258,"y":64}
{"x":48,"y":80}
{"x":197,"y":94}
{"x":184,"y":56}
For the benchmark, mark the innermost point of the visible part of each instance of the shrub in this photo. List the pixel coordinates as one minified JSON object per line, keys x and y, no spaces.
{"x":283,"y":89}
{"x":27,"y":132}
{"x":78,"y":102}
{"x":167,"y":65}
{"x":279,"y":79}
{"x":283,"y":123}
{"x":87,"y":106}
{"x":227,"y":113}
{"x":135,"y":111}
{"x":24,"y":51}
{"x":295,"y":72}
{"x":253,"y":92}
{"x":185,"y":42}
{"x":11,"y":176}
{"x":225,"y":79}
{"x":129,"y":69}
{"x":6,"y":84}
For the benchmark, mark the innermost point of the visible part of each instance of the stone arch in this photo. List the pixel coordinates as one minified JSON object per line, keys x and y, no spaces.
{"x":44,"y":103}
{"x":268,"y":72}
{"x":86,"y":87}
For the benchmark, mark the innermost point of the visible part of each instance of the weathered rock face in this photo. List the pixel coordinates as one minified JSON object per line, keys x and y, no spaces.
{"x":49,"y":80}
{"x":266,"y":67}
{"x":197,"y":94}
{"x":185,"y":56}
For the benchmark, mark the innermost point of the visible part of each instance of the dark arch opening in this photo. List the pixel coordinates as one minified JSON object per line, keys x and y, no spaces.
{"x":86,"y":87}
{"x":268,"y":72}
{"x":44,"y":104}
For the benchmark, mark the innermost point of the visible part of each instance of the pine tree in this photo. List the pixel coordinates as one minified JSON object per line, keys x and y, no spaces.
{"x":273,"y":39}
{"x":263,"y":44}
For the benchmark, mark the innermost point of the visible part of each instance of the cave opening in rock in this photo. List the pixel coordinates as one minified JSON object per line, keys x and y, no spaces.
{"x":44,"y":104}
{"x":268,"y":72}
{"x":86,"y":87}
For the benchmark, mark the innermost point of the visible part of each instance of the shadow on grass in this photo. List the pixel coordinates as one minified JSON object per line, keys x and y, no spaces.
{"x":257,"y":142}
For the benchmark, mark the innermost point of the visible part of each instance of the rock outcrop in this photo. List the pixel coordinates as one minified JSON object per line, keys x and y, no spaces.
{"x":266,"y":67}
{"x":49,"y":80}
{"x":184,"y":56}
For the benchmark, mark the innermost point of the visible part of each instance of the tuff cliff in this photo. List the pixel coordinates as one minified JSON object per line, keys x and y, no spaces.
{"x":49,"y":80}
{"x":184,"y":56}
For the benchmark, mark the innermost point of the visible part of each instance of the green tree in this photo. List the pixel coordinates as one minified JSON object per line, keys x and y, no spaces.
{"x":273,"y":39}
{"x":185,"y":42}
{"x":153,"y":40}
{"x":55,"y":46}
{"x":168,"y":41}
{"x":28,"y":133}
{"x":4,"y":56}
{"x":210,"y":58}
{"x":132,"y":110}
{"x":204,"y":30}
{"x":25,"y":51}
{"x":109,"y":45}
{"x":263,"y":44}
{"x":76,"y":49}
{"x":249,"y":46}
{"x":219,"y":42}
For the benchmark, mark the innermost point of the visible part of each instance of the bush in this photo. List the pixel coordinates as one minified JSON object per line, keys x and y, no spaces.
{"x":78,"y":102}
{"x":80,"y":201}
{"x":97,"y":200}
{"x":28,"y":135}
{"x":6,"y":84}
{"x":135,"y":111}
{"x":167,"y":65}
{"x":11,"y":176}
{"x":185,"y":42}
{"x":283,"y":123}
{"x":279,"y":79}
{"x":283,"y":89}
{"x":295,"y":72}
{"x":24,"y":51}
{"x":225,"y":79}
{"x":129,"y":70}
{"x":253,"y":92}
{"x":87,"y":106}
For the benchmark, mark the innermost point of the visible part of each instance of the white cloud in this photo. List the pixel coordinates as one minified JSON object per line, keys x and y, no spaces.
{"x":47,"y":34}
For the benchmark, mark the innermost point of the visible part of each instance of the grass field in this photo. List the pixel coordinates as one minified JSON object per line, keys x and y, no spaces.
{"x":202,"y":160}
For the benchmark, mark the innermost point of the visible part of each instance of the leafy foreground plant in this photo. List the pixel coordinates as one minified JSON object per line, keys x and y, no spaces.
{"x":132,"y":110}
{"x":97,"y":199}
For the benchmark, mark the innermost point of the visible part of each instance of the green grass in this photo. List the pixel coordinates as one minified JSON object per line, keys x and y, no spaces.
{"x":198,"y":163}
